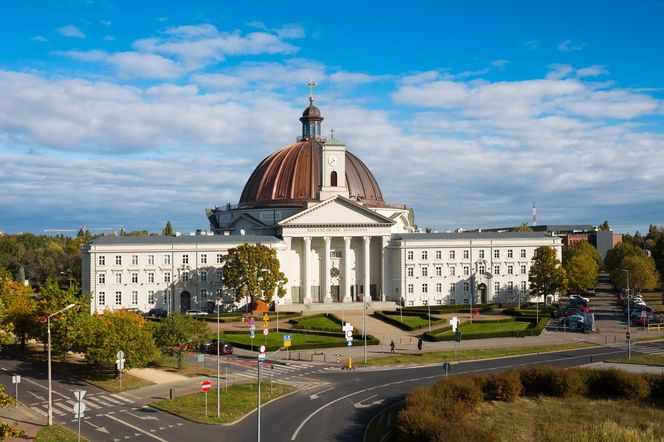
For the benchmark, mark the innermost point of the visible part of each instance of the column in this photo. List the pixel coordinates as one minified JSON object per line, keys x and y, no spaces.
{"x":383,"y":275}
{"x":288,"y":270}
{"x":307,"y":273}
{"x":367,"y":268}
{"x":346,"y":258}
{"x":325,"y":280}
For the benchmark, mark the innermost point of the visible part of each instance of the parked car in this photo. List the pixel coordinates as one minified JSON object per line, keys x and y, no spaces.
{"x":157,"y":313}
{"x":574,"y":322}
{"x":575,"y":296}
{"x":195,"y":313}
{"x":225,"y":348}
{"x":569,"y":311}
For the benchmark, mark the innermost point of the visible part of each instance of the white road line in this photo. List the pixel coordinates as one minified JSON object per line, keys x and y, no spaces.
{"x":147,"y":433}
{"x":38,"y":410}
{"x":98,"y":400}
{"x":64,"y":406}
{"x":110,"y":399}
{"x":45,"y":388}
{"x":117,"y":396}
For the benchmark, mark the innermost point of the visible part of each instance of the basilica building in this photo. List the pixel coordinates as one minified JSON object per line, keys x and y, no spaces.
{"x":340,"y":244}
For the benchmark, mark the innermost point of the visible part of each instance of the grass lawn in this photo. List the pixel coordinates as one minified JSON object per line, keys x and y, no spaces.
{"x":189,"y":368}
{"x":114,"y":385}
{"x":491,"y":327}
{"x":319,"y":323}
{"x":468,"y":355}
{"x":574,"y":419}
{"x":414,"y":321}
{"x":239,"y":400}
{"x":641,"y":359}
{"x":56,"y":433}
{"x":276,"y":339}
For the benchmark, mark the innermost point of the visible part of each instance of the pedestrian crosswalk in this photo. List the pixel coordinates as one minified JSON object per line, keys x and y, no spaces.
{"x":63,"y":407}
{"x":652,"y":349}
{"x":293,"y":374}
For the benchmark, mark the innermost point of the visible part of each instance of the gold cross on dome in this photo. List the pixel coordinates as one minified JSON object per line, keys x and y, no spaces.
{"x":311,"y":85}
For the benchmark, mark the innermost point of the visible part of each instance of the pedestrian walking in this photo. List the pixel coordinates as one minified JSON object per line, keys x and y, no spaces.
{"x":419,"y":343}
{"x":392,"y":346}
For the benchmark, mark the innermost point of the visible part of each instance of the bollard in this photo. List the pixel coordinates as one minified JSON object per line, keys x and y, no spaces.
{"x":170,"y":393}
{"x":350,"y":363}
{"x":312,"y":357}
{"x":606,"y":339}
{"x":338,"y":358}
{"x":591,"y":359}
{"x":324,"y":357}
{"x":298,"y":356}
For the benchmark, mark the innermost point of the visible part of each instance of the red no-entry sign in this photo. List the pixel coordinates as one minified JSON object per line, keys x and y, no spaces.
{"x":206,"y":386}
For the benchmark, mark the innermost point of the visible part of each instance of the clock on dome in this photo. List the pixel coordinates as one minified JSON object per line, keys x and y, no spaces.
{"x":333,"y":160}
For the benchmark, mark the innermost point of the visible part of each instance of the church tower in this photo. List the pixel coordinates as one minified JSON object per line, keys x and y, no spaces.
{"x":333,"y":169}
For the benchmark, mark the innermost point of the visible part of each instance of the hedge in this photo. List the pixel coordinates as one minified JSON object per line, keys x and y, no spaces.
{"x":371,"y":340}
{"x":382,"y":315}
{"x":234,"y":317}
{"x":534,"y":330}
{"x":457,"y":308}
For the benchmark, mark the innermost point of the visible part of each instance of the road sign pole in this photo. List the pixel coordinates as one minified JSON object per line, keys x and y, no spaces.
{"x":206,"y":405}
{"x":258,"y":404}
{"x":271,"y":386}
{"x":79,"y":427}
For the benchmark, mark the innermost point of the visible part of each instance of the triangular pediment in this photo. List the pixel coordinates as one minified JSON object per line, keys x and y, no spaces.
{"x":337,"y":211}
{"x":245,"y":217}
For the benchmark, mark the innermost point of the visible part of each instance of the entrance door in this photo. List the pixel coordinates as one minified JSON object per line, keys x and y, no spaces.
{"x":335,"y":293}
{"x":185,"y":302}
{"x":481,"y":290}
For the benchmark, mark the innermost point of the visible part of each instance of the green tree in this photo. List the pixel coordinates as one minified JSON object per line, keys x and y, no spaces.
{"x":604,"y":226}
{"x":613,"y":261}
{"x":642,"y":273}
{"x":168,"y":230}
{"x":8,"y":431}
{"x":253,"y":270}
{"x":581,"y":272}
{"x":523,"y":227}
{"x":180,"y":333}
{"x":547,"y":276}
{"x":20,"y":309}
{"x":658,"y":254}
{"x":579,"y":248}
{"x":101,"y":336}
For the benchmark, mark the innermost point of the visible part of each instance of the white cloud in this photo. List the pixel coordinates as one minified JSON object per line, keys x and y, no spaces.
{"x":592,"y":71}
{"x":70,"y":31}
{"x":352,"y":78}
{"x":570,"y":45}
{"x":39,"y":38}
{"x":138,"y":65}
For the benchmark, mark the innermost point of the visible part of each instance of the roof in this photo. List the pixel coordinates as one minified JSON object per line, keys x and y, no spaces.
{"x":469,"y":235}
{"x":199,"y":239}
{"x":549,"y":228}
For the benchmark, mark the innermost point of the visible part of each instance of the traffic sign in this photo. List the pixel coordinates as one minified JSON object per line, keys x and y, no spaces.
{"x":252,"y":321}
{"x":265,"y":317}
{"x":120,"y":361}
{"x":252,"y":333}
{"x":628,"y":336}
{"x":79,"y":395}
{"x":200,"y":358}
{"x":79,"y":409}
{"x":454,"y":322}
{"x":16,"y":379}
{"x":266,"y":331}
{"x":287,"y":340}
{"x":349,"y":335}
{"x":262,"y":349}
{"x":261,"y":355}
{"x":350,"y":343}
{"x":206,"y":386}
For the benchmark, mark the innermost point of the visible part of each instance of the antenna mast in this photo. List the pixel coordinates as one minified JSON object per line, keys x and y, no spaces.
{"x":534,"y":221}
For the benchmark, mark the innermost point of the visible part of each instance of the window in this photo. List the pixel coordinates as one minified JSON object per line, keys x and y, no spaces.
{"x":452,"y":254}
{"x":203,"y":258}
{"x":335,"y":254}
{"x":101,"y":278}
{"x":218,"y":293}
{"x":523,"y":269}
{"x":118,"y":260}
{"x":481,"y":269}
{"x":452,"y":287}
{"x":496,"y":270}
{"x":203,"y":293}
{"x":167,"y":259}
{"x":411,"y":271}
{"x":452,"y":301}
{"x":134,"y":260}
{"x":185,"y":276}
{"x":439,"y":287}
{"x":465,"y":300}
{"x":439,"y":271}
{"x":523,"y":253}
{"x":118,"y":278}
{"x":510,"y":287}
{"x":134,"y":298}
{"x":151,"y":277}
{"x":134,"y":278}
{"x":150,"y":296}
{"x":481,"y":253}
{"x":409,"y":254}
{"x":167,"y":276}
{"x":466,"y":270}
{"x":496,"y":253}
{"x":510,"y":253}
{"x":466,"y":254}
{"x":411,"y":288}
{"x":439,"y":254}
{"x":411,"y":303}
{"x":425,"y":288}
{"x":510,"y":269}
{"x":219,"y":275}
{"x":425,"y":255}
{"x":220,"y":258}
{"x":523,"y":286}
{"x":466,"y":286}
{"x":118,"y":298}
{"x":150,"y":260}
{"x":425,"y":271}
{"x":333,"y":179}
{"x":102,"y":298}
{"x":203,"y":276}
{"x":102,"y":260}
{"x":496,"y":287}
{"x":439,"y":301}
{"x":185,"y":259}
{"x":452,"y":270}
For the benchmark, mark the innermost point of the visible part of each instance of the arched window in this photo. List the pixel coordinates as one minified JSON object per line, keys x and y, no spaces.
{"x":333,"y":179}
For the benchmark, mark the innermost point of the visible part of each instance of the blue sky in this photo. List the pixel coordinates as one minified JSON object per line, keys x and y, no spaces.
{"x":133,"y":113}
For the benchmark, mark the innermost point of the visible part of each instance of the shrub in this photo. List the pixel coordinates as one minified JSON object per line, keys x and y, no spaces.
{"x":656,"y":383}
{"x":610,"y":431}
{"x":550,"y":381}
{"x":615,"y":384}
{"x":504,"y":386}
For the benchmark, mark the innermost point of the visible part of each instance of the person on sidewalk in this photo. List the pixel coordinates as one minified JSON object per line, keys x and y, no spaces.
{"x":419,"y":343}
{"x":392,"y":346}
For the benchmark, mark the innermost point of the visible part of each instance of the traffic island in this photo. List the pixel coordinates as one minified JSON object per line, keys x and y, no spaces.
{"x":236,"y":403}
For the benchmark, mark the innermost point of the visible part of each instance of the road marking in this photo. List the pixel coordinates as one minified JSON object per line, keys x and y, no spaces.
{"x":361,"y":405}
{"x":38,"y":410}
{"x":45,"y":388}
{"x":147,"y":433}
{"x":318,"y":393}
{"x":145,"y":418}
{"x":117,"y":396}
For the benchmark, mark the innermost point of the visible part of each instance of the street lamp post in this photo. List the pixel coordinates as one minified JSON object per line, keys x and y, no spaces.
{"x":50,"y":391}
{"x":364,"y":330}
{"x":68,"y":274}
{"x":428,"y":308}
{"x":258,"y":396}
{"x":218,"y":368}
{"x":629,"y":320}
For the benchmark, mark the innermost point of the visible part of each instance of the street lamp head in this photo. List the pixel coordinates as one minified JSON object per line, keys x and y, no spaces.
{"x":70,"y":306}
{"x":626,"y":270}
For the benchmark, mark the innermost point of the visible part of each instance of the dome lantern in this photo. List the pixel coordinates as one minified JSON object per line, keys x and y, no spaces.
{"x":311,"y":119}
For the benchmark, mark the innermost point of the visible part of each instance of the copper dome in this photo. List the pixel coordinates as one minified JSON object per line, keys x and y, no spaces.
{"x":291,"y":176}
